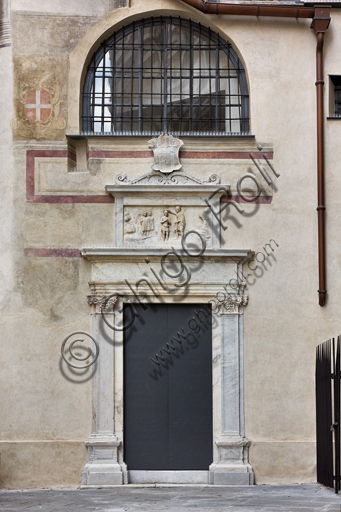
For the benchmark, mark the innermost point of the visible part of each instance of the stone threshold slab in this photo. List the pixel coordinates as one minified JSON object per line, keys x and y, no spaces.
{"x":150,"y":486}
{"x":168,"y":477}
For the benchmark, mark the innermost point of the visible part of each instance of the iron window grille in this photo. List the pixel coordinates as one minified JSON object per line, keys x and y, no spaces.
{"x":165,"y":75}
{"x":337,"y":95}
{"x":335,"y":91}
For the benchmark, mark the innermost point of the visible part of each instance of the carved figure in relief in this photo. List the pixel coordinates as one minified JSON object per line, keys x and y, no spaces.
{"x":129,"y":226}
{"x":144,"y":223}
{"x":180,"y":222}
{"x":205,"y":228}
{"x":165,"y":225}
{"x":150,"y":222}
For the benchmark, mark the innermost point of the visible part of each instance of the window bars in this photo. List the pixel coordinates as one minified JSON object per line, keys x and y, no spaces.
{"x":165,"y":75}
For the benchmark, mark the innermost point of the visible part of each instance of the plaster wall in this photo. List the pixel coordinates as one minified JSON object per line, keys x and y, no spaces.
{"x":43,"y":299}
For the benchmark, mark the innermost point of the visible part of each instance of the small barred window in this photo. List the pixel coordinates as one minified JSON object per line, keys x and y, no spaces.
{"x":335,"y":93}
{"x":165,"y":75}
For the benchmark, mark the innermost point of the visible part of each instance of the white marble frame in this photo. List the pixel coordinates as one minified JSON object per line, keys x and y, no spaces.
{"x":230,"y":465}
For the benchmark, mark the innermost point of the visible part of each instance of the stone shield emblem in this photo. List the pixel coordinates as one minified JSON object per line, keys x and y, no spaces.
{"x":166,"y":153}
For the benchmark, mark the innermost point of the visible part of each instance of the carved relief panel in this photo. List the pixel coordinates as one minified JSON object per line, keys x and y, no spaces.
{"x":158,"y":208}
{"x":164,"y":225}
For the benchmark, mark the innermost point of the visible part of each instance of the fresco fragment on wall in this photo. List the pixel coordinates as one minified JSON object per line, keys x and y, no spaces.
{"x":40,"y":111}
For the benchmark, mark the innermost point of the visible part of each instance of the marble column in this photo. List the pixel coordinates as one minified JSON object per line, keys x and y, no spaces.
{"x":233,"y":466}
{"x":103,"y":467}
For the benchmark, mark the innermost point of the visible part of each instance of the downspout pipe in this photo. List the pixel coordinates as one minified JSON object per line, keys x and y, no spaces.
{"x":320,"y":22}
{"x":322,"y":291}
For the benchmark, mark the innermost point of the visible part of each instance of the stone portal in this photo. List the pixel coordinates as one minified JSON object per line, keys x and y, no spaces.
{"x":167,"y":251}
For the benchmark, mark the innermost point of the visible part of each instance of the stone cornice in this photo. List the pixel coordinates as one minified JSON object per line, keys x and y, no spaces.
{"x":188,"y":189}
{"x":107,"y":254}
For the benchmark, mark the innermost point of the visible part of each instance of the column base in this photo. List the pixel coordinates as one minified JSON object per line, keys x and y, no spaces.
{"x":103,"y":467}
{"x":231,"y":478}
{"x":233,"y":467}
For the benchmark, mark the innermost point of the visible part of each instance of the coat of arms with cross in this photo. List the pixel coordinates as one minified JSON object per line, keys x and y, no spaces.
{"x":38,"y":105}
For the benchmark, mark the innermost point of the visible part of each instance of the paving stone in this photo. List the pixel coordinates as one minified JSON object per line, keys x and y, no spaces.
{"x":262,"y":498}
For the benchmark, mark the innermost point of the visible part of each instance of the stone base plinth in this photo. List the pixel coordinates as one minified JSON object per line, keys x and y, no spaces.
{"x":103,"y":467}
{"x":233,"y":467}
{"x":232,"y":478}
{"x":98,"y":474}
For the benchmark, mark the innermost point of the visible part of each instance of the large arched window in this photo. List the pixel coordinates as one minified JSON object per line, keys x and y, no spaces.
{"x":165,"y":75}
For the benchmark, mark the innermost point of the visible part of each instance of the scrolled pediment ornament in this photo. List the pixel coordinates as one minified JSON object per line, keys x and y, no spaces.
{"x":167,"y":169}
{"x":176,"y":178}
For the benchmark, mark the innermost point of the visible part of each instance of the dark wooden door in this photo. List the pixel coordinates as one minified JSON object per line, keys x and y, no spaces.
{"x":168,"y":404}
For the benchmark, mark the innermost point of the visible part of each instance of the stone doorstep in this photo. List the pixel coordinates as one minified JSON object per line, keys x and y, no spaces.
{"x":145,"y":486}
{"x":168,"y":477}
{"x":198,"y":479}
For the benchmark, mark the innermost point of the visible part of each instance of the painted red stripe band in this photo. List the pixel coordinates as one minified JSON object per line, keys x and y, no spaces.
{"x":31,"y":197}
{"x":120,"y":154}
{"x":100,"y":199}
{"x":220,"y":155}
{"x":187,"y":155}
{"x":237,"y":199}
{"x":48,"y":253}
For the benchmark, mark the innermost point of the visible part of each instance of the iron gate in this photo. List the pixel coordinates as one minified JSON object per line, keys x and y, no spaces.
{"x":328,"y":413}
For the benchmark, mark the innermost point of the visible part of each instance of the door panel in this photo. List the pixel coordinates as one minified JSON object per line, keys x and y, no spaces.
{"x":168,"y":406}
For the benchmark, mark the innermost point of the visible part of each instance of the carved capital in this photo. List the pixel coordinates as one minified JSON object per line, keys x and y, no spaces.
{"x":97,"y":301}
{"x":234,"y":303}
